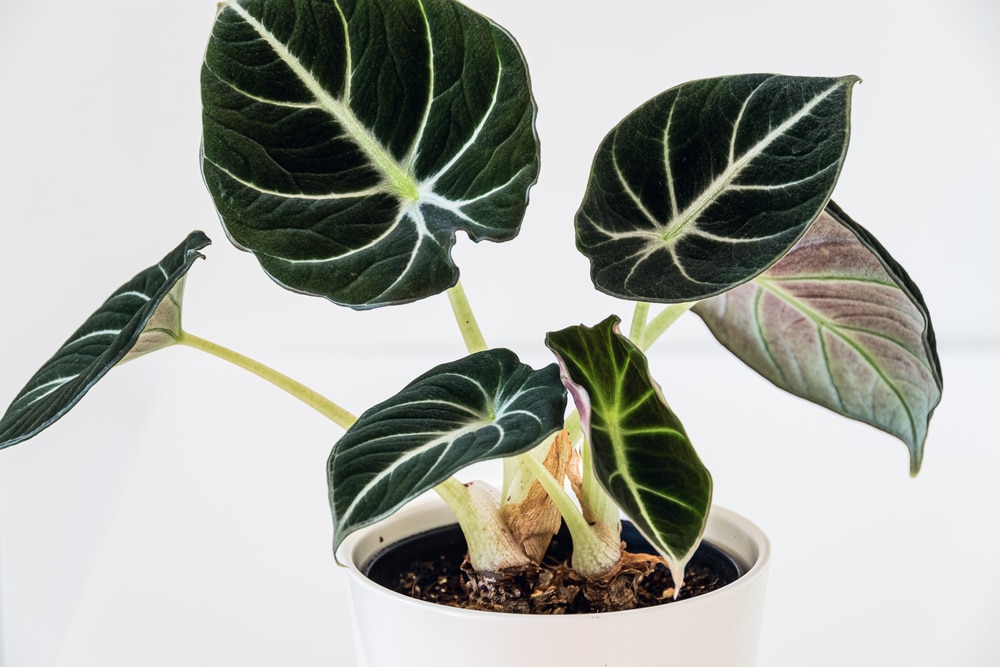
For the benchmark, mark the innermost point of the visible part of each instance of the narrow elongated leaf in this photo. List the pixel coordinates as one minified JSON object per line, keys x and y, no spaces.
{"x":484,"y":406}
{"x":642,"y":456}
{"x":708,"y":184}
{"x":346,"y":141}
{"x":141,"y":316}
{"x":839,"y":322}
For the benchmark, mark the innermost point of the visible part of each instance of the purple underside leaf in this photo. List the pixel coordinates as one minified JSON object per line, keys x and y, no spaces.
{"x":837,"y":321}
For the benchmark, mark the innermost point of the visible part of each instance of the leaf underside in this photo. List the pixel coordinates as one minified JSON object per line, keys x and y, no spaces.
{"x":487,"y":405}
{"x":118,"y":329}
{"x":840,"y":323}
{"x":346,"y":141}
{"x":709,"y":183}
{"x":641,"y":454}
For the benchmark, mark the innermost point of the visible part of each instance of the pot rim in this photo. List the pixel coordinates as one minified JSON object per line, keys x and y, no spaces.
{"x":731,"y":532}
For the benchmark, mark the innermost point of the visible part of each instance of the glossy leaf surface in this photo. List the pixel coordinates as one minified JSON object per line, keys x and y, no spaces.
{"x":641,"y":454}
{"x":141,"y":316}
{"x":484,"y":406}
{"x":708,"y":184}
{"x":346,"y":141}
{"x":839,"y":322}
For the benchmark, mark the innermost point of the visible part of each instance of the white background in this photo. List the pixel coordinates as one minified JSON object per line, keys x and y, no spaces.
{"x":179,"y":515}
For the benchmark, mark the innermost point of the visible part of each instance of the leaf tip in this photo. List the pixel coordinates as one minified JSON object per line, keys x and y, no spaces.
{"x":916,"y":459}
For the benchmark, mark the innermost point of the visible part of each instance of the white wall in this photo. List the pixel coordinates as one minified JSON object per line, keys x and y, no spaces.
{"x":129,"y":531}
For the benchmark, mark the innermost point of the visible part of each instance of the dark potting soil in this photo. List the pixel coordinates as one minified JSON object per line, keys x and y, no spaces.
{"x":432,"y":566}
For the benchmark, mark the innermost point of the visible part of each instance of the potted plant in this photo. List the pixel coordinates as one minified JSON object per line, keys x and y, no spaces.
{"x":345,"y":145}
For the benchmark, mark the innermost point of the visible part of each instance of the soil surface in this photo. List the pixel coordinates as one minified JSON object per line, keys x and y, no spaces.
{"x":439,"y":572}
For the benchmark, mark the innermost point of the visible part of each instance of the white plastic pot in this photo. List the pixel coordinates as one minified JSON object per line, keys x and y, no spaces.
{"x":717,"y":629}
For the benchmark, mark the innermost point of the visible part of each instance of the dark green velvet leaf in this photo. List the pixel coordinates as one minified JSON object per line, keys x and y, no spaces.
{"x":141,"y":316}
{"x":345,"y":142}
{"x":839,"y":322}
{"x":484,"y":406}
{"x":641,"y":454}
{"x":709,"y":183}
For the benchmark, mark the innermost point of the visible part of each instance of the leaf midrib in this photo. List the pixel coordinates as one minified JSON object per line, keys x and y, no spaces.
{"x":399,"y":180}
{"x":678,"y":225}
{"x":614,"y":431}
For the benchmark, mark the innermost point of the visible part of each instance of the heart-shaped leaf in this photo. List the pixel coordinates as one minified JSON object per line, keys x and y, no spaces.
{"x":641,"y":454}
{"x":484,"y":406}
{"x":346,"y":142}
{"x":839,"y":322}
{"x":708,"y":184}
{"x":141,"y":316}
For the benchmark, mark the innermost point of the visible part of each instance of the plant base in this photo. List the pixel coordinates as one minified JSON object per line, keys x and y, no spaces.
{"x":431,"y":566}
{"x":718,"y":629}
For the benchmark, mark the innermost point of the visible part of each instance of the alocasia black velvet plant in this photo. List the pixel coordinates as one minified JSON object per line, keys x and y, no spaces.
{"x":346,"y":142}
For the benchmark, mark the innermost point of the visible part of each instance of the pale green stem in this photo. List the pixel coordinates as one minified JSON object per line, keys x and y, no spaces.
{"x":597,"y":501}
{"x":595,"y":548}
{"x":491,"y":545}
{"x":321,"y":404}
{"x":639,"y":318}
{"x":471,"y":333}
{"x":573,"y":426}
{"x":510,"y":469}
{"x":661,"y":323}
